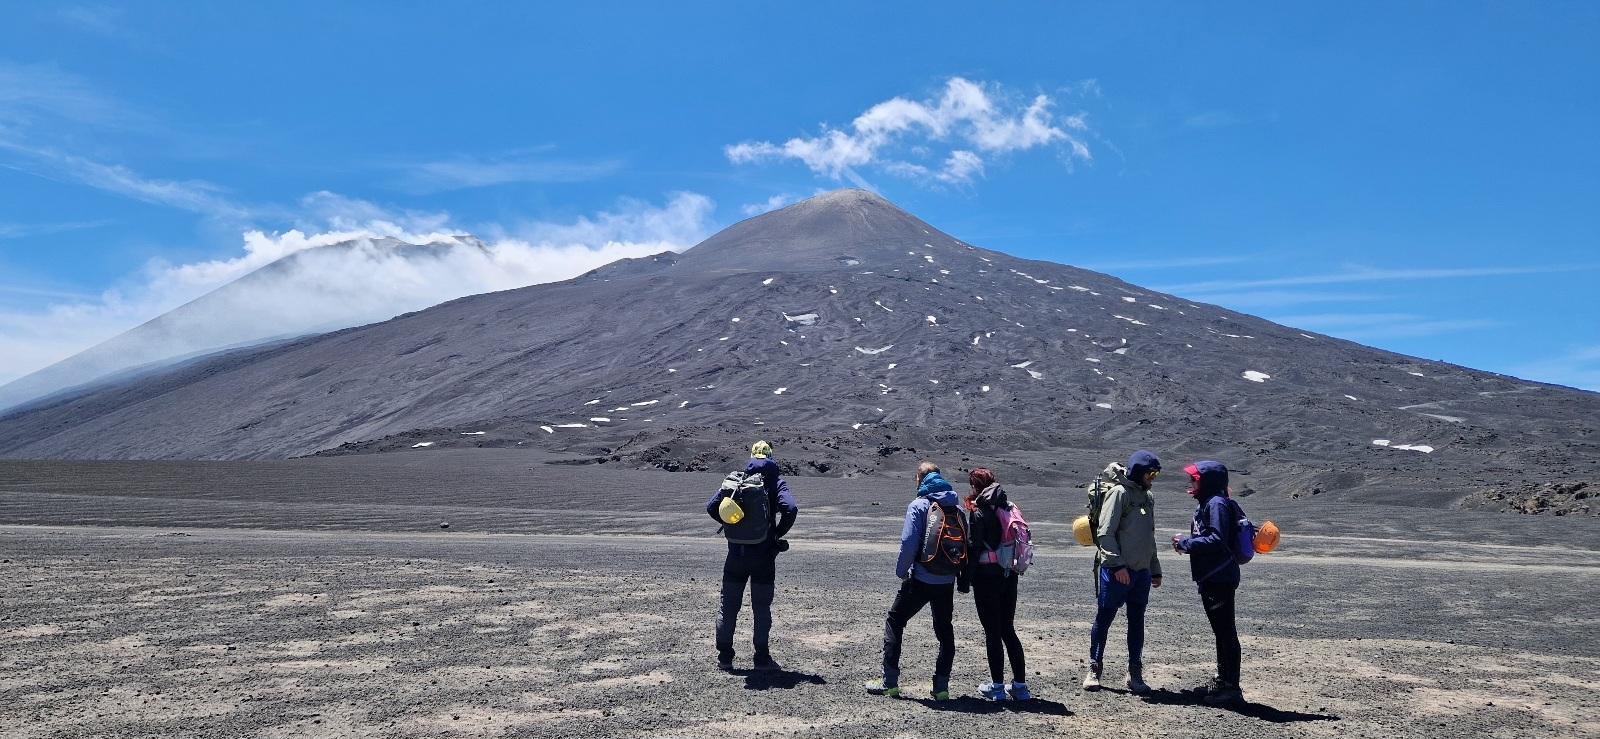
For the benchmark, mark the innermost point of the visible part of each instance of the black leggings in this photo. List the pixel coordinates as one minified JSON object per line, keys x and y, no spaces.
{"x":913,"y":595}
{"x":996,"y":599}
{"x":1218,"y":600}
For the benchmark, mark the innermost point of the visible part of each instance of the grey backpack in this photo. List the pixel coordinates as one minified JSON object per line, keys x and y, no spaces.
{"x":750,"y":492}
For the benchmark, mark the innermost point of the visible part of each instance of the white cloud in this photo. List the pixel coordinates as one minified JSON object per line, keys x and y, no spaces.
{"x":968,"y":120}
{"x":771,"y":204}
{"x":322,"y":289}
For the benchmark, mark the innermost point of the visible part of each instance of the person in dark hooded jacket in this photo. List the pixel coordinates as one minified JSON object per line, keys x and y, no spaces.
{"x":994,"y":588}
{"x":756,"y":564}
{"x":1216,"y":573}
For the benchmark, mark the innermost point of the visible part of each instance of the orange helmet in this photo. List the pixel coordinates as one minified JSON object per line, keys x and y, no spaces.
{"x":1266,"y":538}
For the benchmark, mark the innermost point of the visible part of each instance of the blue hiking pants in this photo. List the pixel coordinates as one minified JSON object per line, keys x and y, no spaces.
{"x":1110,"y":596}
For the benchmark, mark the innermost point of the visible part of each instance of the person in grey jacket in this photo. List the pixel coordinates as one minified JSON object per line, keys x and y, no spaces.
{"x":1126,"y":563}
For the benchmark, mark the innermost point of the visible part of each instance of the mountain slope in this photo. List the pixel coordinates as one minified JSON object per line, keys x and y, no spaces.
{"x":860,"y":337}
{"x":304,"y":293}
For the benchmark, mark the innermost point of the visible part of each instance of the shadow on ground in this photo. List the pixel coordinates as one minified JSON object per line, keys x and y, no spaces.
{"x":778,"y":679}
{"x":1252,"y":710}
{"x":973,"y":704}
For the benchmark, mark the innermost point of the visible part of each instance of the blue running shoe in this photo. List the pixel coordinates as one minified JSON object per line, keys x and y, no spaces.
{"x":1020,"y":692}
{"x":992,"y":691}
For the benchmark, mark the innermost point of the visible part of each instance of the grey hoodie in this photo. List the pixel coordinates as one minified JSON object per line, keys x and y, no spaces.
{"x":1127,"y":533}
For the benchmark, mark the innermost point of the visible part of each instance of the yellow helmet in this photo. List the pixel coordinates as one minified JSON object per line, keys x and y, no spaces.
{"x":729,"y":511}
{"x":1081,"y":531}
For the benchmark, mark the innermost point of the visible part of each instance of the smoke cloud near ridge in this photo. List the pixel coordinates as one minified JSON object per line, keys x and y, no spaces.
{"x":350,"y":263}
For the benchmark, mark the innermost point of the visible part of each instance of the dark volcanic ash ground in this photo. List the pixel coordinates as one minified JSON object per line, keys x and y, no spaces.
{"x":859,"y":337}
{"x":320,"y":597}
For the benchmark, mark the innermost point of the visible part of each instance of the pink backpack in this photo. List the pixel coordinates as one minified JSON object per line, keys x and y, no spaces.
{"x":1016,"y":541}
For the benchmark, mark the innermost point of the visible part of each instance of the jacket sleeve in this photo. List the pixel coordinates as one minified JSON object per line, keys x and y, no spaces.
{"x":711,"y":505}
{"x":1155,"y":555}
{"x":910,"y":538}
{"x":1105,"y":537}
{"x":1212,"y":527}
{"x":787,"y":510}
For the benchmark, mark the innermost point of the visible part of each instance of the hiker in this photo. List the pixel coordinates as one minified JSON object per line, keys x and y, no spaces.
{"x":754,"y":542}
{"x":993,"y":583}
{"x":1126,"y":566}
{"x":933,"y":550}
{"x":1216,"y":573}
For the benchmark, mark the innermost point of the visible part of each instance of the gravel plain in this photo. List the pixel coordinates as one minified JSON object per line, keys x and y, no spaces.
{"x":323,"y":598}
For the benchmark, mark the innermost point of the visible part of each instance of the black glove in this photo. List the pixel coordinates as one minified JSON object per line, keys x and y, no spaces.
{"x":963,"y":588}
{"x":781,"y":545}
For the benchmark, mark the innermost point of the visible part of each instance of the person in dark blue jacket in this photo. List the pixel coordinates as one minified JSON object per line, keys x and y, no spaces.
{"x":756,"y":564}
{"x":921,"y":587}
{"x":1211,"y":562}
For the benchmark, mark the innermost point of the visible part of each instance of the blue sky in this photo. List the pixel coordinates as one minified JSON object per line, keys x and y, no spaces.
{"x":1421,"y":177}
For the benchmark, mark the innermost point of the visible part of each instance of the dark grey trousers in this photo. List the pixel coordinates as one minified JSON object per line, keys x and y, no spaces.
{"x":760,"y":571}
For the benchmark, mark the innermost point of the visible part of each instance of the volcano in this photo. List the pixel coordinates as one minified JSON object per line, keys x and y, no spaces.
{"x":857,"y":338}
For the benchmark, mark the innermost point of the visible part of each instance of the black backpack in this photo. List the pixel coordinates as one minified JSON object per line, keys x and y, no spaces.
{"x":944,"y":541}
{"x":750,"y":492}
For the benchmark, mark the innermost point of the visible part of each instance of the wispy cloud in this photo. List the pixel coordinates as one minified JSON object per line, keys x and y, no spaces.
{"x":530,"y":166}
{"x":1251,"y":299}
{"x":44,"y":96}
{"x":35,"y":291}
{"x":101,"y":20}
{"x":944,"y":139}
{"x":27,"y":230}
{"x":1369,"y":274}
{"x":1375,"y":326}
{"x":1212,"y":119}
{"x":1161,"y":263}
{"x":196,"y":196}
{"x":1578,"y":367}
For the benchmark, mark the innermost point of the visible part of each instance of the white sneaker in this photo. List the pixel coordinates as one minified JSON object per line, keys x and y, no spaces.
{"x":1091,"y":679}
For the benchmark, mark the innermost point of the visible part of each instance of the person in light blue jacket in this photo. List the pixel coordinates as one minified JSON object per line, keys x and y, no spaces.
{"x":921,"y":586}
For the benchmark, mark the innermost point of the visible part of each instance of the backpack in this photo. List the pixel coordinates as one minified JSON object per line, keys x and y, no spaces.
{"x":1016,"y":541}
{"x":1243,"y":546}
{"x":749,"y":492}
{"x":944,"y":540}
{"x":1098,"y":488}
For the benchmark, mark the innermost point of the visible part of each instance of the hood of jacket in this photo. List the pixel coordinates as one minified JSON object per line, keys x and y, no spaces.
{"x":993,"y":496}
{"x":765,"y":467}
{"x":934,"y":488}
{"x":1207,"y":479}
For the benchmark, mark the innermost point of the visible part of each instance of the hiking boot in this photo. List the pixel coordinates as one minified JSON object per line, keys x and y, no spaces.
{"x":876,"y":687}
{"x":992,"y":691}
{"x":1091,"y":679}
{"x":1020,"y":692}
{"x":1225,"y":694}
{"x":725,"y":664}
{"x":768,"y":664}
{"x":1136,"y":683}
{"x":940,"y":695}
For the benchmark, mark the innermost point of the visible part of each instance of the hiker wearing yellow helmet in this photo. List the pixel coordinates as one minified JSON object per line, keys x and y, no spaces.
{"x":755,"y":510}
